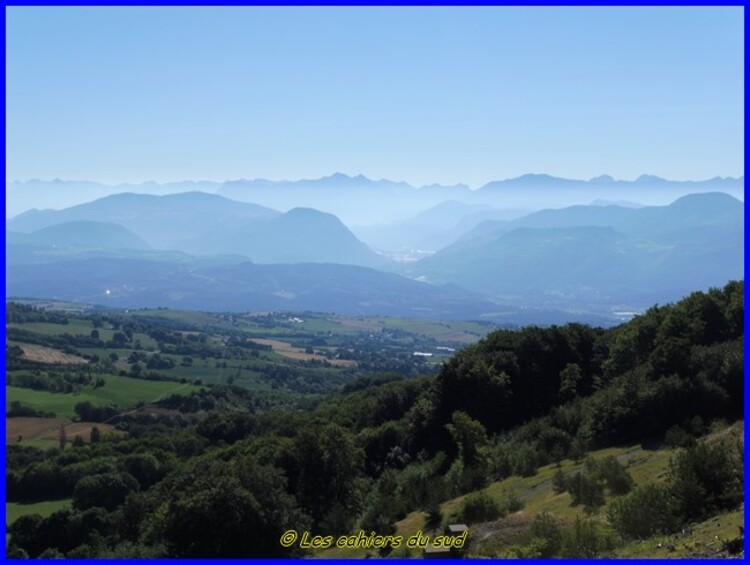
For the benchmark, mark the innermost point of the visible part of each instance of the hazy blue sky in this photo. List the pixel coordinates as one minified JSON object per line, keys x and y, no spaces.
{"x":417,"y":94}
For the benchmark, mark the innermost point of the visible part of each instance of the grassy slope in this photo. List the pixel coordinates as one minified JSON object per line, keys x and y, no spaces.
{"x":645,"y":466}
{"x":14,"y":510}
{"x":185,"y":316}
{"x":446,"y":332}
{"x":125,"y":392}
{"x":77,"y":326}
{"x":73,"y":327}
{"x":704,"y":540}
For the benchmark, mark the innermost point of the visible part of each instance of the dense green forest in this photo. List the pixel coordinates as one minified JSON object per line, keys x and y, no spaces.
{"x":206,"y":466}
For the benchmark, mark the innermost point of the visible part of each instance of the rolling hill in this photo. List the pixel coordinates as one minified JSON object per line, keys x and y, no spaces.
{"x":599,"y":254}
{"x":81,"y":234}
{"x":200,"y":223}
{"x":302,"y":235}
{"x":162,"y":221}
{"x":343,"y":289}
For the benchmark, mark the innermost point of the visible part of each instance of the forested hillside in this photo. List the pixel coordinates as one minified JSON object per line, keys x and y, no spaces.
{"x":219,"y":470}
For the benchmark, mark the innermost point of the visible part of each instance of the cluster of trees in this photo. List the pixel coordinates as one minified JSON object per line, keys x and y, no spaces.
{"x":548,"y":537}
{"x":702,"y":480}
{"x":148,"y":455}
{"x":481,"y":507}
{"x":16,"y":313}
{"x":185,"y":403}
{"x":17,"y":409}
{"x":87,"y":412}
{"x":68,"y":342}
{"x":587,"y":486}
{"x":64,"y":381}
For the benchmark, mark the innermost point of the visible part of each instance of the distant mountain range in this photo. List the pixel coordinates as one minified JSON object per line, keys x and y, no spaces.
{"x":577,"y":262}
{"x":57,"y":194}
{"x":358,"y":200}
{"x":545,"y":191}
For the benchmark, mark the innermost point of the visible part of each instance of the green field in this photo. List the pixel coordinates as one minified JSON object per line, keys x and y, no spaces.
{"x":14,"y":510}
{"x":184,"y":316}
{"x":703,"y":541}
{"x":73,"y":327}
{"x":124,"y":392}
{"x":453,"y":332}
{"x":55,"y":305}
{"x":208,"y":373}
{"x":104,"y":352}
{"x":80,"y":327}
{"x":444,"y":332}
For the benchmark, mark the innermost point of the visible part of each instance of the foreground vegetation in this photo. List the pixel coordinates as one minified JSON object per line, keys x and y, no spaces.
{"x":546,"y":441}
{"x":532,"y":516}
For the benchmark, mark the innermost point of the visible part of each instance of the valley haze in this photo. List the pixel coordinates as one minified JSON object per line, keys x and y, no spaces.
{"x":532,"y":249}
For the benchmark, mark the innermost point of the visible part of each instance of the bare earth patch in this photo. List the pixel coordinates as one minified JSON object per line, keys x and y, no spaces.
{"x":458,"y":337}
{"x":504,"y":531}
{"x":359,"y":324}
{"x":30,"y":428}
{"x":49,"y":429}
{"x":288,"y":350}
{"x":154,"y":410}
{"x":82,"y":429}
{"x":42,"y":354}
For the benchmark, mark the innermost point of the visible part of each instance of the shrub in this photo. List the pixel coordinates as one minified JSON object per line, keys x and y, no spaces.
{"x":585,"y":489}
{"x":559,"y":482}
{"x":615,"y":476}
{"x":107,"y":490}
{"x":479,"y":507}
{"x":512,"y":504}
{"x":706,"y":478}
{"x":678,"y":437}
{"x":585,"y":538}
{"x":434,"y":517}
{"x":546,"y":534}
{"x":525,"y":461}
{"x":645,"y":512}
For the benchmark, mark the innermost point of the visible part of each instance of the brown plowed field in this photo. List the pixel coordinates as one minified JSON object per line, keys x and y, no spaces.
{"x":43,"y":354}
{"x":49,"y":429}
